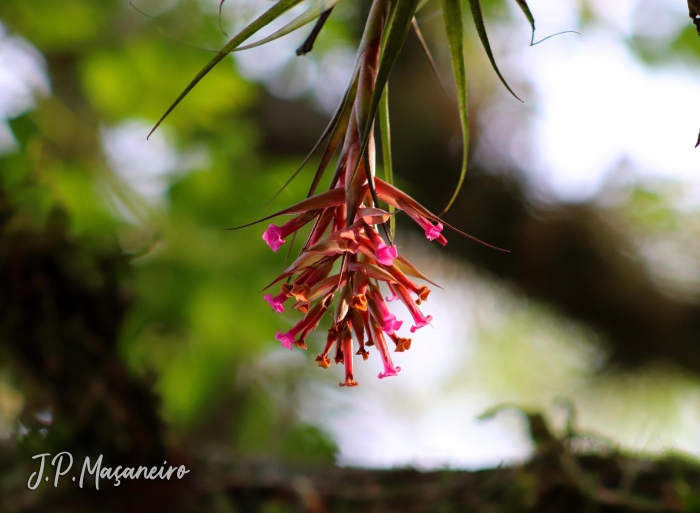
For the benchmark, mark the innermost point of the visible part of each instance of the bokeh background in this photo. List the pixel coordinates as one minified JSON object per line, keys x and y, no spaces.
{"x":132,"y":324}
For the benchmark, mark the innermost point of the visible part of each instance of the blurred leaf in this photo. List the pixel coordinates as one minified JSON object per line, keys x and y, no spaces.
{"x":308,"y":444}
{"x":60,"y":26}
{"x":130,"y":81}
{"x":76,"y":190}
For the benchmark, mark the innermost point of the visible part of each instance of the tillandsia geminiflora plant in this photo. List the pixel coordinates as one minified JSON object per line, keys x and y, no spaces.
{"x":349,"y":261}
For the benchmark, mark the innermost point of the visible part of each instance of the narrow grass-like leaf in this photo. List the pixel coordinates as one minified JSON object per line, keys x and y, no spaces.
{"x":316,"y":9}
{"x":308,"y":43}
{"x":452,"y":11}
{"x":528,"y":14}
{"x":478,"y":16}
{"x":385,"y":134}
{"x":428,"y":55}
{"x":262,"y":21}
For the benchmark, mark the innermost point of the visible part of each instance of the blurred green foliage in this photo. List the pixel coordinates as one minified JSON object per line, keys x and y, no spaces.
{"x":197,"y":317}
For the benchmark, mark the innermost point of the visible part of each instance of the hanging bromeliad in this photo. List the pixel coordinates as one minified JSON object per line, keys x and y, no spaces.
{"x":348,"y":261}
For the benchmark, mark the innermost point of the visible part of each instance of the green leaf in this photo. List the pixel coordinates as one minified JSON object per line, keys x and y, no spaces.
{"x":262,"y":21}
{"x":478,"y":16}
{"x":385,"y":133}
{"x":528,"y":14}
{"x":316,"y":9}
{"x":427,"y":52}
{"x":452,"y":12}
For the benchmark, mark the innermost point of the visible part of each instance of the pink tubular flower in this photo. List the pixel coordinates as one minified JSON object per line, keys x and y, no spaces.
{"x":386,"y":255}
{"x":276,"y":302}
{"x":421,"y":323}
{"x":304,"y":327}
{"x":418,"y":318}
{"x":393,"y":297}
{"x":432,"y":232}
{"x":273,"y":237}
{"x":377,"y":337}
{"x":381,"y":313}
{"x":346,"y":344}
{"x":287,"y":339}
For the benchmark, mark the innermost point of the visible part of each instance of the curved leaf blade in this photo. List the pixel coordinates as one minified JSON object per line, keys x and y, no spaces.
{"x":528,"y":14}
{"x":478,"y":16}
{"x":316,"y":9}
{"x":263,"y":20}
{"x":452,"y":11}
{"x":385,"y":134}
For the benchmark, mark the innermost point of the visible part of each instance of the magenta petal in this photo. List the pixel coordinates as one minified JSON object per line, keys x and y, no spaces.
{"x":433,"y":232}
{"x":273,"y":237}
{"x":286,"y":339}
{"x":274,"y":302}
{"x":389,"y":371}
{"x":386,"y":255}
{"x":421,"y":323}
{"x":391,"y":324}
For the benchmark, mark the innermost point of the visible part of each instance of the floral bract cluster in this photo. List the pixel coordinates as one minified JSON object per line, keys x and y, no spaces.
{"x":348,"y":261}
{"x":346,"y":236}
